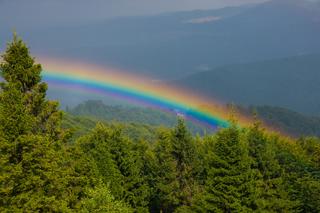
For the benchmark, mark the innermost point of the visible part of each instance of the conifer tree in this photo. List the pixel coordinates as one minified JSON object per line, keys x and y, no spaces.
{"x":167,"y":186}
{"x":24,"y":108}
{"x":176,"y":155}
{"x":271,"y":193}
{"x":184,"y":153}
{"x":230,"y":183}
{"x":32,"y":177}
{"x":118,"y":165}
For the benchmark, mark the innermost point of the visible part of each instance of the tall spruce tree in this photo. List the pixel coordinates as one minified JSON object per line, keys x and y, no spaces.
{"x":32,"y":177}
{"x":24,"y":108}
{"x":271,"y":193}
{"x":230,"y":181}
{"x":184,"y":153}
{"x":176,"y":156}
{"x":166,"y":184}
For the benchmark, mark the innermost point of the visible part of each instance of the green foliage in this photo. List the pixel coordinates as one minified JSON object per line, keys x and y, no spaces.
{"x":230,"y":180}
{"x":110,"y":167}
{"x":100,"y":199}
{"x":128,"y":114}
{"x":24,"y":108}
{"x":285,"y":120}
{"x":311,"y":148}
{"x":81,"y":125}
{"x":176,"y":158}
{"x":118,"y":164}
{"x":32,"y":176}
{"x":271,"y":192}
{"x":38,"y":171}
{"x":32,"y":171}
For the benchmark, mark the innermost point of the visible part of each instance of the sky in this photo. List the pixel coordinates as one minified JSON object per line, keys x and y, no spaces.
{"x":26,"y":13}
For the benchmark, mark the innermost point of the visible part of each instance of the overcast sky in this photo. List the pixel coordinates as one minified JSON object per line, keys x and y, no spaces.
{"x":35,"y":12}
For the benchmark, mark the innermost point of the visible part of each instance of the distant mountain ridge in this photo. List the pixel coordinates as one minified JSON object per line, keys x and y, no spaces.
{"x":174,"y":45}
{"x":86,"y":115}
{"x":169,"y":45}
{"x":97,"y":110}
{"x":287,"y":121}
{"x":292,"y":83}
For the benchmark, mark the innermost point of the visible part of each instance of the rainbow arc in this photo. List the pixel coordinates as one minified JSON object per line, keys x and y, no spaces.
{"x":136,"y":89}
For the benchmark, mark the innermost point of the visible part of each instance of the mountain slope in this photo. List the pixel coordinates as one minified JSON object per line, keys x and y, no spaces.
{"x":287,"y":121}
{"x":84,"y":117}
{"x":98,"y":111}
{"x":171,"y":45}
{"x":292,"y":83}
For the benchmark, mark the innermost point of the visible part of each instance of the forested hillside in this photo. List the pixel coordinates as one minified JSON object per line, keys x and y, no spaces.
{"x":88,"y":113}
{"x":290,"y":122}
{"x":128,"y":114}
{"x":44,"y":169}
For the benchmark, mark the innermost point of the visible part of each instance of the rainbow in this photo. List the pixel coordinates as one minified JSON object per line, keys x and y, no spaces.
{"x":137,"y":89}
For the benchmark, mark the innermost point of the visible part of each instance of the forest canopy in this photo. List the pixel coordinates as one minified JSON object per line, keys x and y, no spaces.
{"x":44,"y":168}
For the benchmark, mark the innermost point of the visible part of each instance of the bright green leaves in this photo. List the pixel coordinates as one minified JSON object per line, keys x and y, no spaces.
{"x":100,"y":199}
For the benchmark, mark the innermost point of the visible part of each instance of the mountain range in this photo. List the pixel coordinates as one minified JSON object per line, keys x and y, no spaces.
{"x":260,"y":54}
{"x":292,"y":83}
{"x":170,"y":45}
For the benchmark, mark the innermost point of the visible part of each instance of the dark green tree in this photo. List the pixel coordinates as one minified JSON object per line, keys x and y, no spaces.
{"x":308,"y":194}
{"x":270,"y":187}
{"x":184,"y":153}
{"x":118,"y":164}
{"x":166,"y":184}
{"x":230,"y":184}
{"x":311,"y":149}
{"x":176,"y":156}
{"x":32,"y":175}
{"x":24,"y":108}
